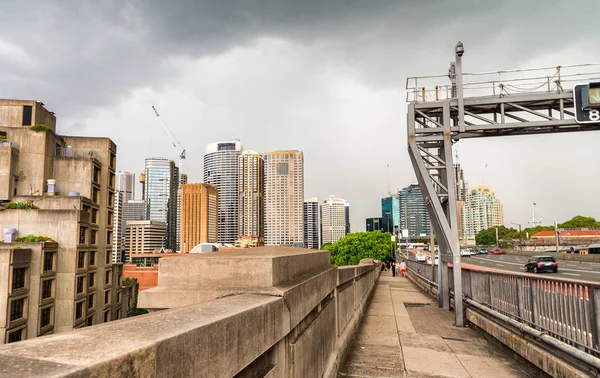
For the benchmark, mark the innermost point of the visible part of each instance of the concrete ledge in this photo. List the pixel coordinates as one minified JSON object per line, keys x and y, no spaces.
{"x":185,"y":342}
{"x":557,"y":256}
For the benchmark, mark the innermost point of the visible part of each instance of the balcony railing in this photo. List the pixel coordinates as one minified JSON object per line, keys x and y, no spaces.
{"x":76,"y":153}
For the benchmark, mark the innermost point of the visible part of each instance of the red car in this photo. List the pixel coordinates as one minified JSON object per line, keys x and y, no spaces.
{"x":497,"y":251}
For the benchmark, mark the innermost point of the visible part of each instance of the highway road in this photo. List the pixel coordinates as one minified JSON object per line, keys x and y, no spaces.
{"x":576,"y":271}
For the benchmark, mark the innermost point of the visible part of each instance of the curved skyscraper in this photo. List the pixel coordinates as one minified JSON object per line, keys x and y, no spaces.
{"x":221,"y":170}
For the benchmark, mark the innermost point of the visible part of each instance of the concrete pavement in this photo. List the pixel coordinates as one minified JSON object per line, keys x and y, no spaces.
{"x":405,"y":334}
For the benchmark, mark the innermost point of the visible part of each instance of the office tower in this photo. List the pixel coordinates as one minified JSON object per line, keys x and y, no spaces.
{"x":69,"y":282}
{"x":374,"y":224}
{"x":333,"y":220}
{"x":413,"y":212}
{"x":117,"y":245}
{"x":182,"y":180}
{"x":347,"y":205}
{"x":284,"y":198}
{"x":146,"y":236}
{"x":143,"y":182}
{"x":199,"y":209}
{"x":133,"y":210}
{"x":161,"y":183}
{"x":126,"y":184}
{"x":221,"y":170}
{"x":250,"y":189}
{"x":461,"y":185}
{"x":312,"y":224}
{"x":482,"y":210}
{"x":390,"y":213}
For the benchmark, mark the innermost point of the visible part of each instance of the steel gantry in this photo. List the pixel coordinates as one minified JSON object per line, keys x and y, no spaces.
{"x":437,"y":118}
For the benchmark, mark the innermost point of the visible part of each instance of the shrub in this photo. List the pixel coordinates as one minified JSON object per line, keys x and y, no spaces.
{"x":39,"y":127}
{"x":24,"y":205}
{"x":33,"y":239}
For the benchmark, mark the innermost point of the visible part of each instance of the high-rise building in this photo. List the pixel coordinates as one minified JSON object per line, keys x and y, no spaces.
{"x":481,"y":210}
{"x":413,"y":212}
{"x":374,"y":224}
{"x":117,"y":246}
{"x":347,"y":205}
{"x":126,"y":184}
{"x":199,"y":209}
{"x":312,"y":224}
{"x":221,"y":170}
{"x":182,"y":180}
{"x":333,"y":220}
{"x":161,"y":183}
{"x":390,"y":213}
{"x":461,"y":185}
{"x":133,"y":210}
{"x":69,"y":282}
{"x":250,"y":188}
{"x":284,"y":198}
{"x":146,"y":236}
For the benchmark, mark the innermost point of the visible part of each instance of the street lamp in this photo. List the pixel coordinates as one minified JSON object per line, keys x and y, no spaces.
{"x":460,"y":50}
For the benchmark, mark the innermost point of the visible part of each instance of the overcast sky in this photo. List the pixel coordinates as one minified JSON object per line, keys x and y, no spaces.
{"x":324,"y":77}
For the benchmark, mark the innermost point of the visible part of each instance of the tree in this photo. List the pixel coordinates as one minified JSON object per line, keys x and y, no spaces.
{"x":580,"y":222}
{"x":360,"y":245}
{"x":488,"y":236}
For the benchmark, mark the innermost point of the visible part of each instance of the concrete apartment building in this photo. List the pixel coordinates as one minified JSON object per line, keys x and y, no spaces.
{"x":68,"y":184}
{"x":284,"y":198}
{"x":221,"y":169}
{"x":161,"y":184}
{"x":199,"y":209}
{"x":481,"y":210}
{"x":250,"y":189}
{"x":145,"y":236}
{"x":312,"y":223}
{"x":333,"y":220}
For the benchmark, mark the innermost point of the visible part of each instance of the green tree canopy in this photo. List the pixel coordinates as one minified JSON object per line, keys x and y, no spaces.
{"x":360,"y":245}
{"x":580,"y":222}
{"x":488,"y":236}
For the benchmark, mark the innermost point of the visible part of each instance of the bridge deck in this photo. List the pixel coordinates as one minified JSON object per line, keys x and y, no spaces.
{"x":401,"y":337}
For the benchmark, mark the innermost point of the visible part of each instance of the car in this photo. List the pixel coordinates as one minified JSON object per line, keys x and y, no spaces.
{"x":473,"y":251}
{"x":421,"y":257}
{"x":429,"y":260}
{"x":465,"y":253}
{"x":539,"y":264}
{"x":497,"y":251}
{"x":482,"y":251}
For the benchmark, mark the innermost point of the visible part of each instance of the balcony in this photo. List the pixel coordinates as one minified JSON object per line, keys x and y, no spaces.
{"x":76,"y":153}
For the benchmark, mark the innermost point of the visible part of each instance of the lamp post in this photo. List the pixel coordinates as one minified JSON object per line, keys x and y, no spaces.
{"x":460,"y":50}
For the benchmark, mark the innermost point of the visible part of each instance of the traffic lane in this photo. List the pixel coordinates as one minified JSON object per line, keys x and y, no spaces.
{"x":512,"y":263}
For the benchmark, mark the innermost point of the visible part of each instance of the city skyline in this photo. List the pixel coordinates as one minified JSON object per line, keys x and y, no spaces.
{"x":275,"y":85}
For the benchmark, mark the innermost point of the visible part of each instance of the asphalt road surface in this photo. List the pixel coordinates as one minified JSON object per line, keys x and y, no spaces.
{"x":589,"y":272}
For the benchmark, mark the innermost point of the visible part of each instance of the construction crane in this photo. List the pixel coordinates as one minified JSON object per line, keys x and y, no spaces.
{"x":174,"y":141}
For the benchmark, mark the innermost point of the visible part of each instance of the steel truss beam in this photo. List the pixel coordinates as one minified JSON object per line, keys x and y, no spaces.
{"x":434,"y":126}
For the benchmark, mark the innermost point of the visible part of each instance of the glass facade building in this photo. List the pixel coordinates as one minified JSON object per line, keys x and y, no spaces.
{"x":221,"y":169}
{"x":374,"y":224}
{"x":162,"y":181}
{"x":413,"y":212}
{"x":390,"y":213}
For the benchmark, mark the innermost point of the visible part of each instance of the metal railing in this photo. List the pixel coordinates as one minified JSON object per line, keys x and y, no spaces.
{"x":565,"y":310}
{"x":502,"y":83}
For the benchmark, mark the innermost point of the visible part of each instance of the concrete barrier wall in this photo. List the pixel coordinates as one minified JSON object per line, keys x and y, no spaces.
{"x":557,"y":256}
{"x":298,"y":328}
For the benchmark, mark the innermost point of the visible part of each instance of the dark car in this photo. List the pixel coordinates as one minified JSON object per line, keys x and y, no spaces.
{"x":539,"y":264}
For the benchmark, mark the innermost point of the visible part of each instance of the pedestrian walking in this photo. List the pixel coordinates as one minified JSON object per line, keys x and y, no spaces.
{"x":403,"y":268}
{"x":393,"y":267}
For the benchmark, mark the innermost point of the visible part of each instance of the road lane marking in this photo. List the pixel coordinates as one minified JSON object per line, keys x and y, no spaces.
{"x":572,"y":274}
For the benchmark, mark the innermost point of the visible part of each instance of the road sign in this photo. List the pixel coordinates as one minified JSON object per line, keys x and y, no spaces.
{"x":586,"y":98}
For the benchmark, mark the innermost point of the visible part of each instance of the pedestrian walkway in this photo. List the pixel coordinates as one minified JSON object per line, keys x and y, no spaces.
{"x":405,"y":334}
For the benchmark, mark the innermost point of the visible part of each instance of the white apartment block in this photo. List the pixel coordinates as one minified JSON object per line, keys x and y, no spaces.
{"x":333,"y":220}
{"x":481,"y":210}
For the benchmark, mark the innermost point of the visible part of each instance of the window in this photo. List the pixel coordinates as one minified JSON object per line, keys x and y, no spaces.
{"x":96,"y":174}
{"x":27,"y":111}
{"x":111,"y":180}
{"x":90,"y":321}
{"x":46,"y":289}
{"x":79,"y":310}
{"x":119,"y":314}
{"x":45,"y":317}
{"x":107,"y":297}
{"x":107,"y":260}
{"x":119,"y":297}
{"x":113,"y":160}
{"x":92,"y":258}
{"x":91,"y":279}
{"x":109,"y":237}
{"x":81,"y":260}
{"x":282,"y":168}
{"x":16,"y":335}
{"x":80,"y":284}
{"x":94,"y":237}
{"x":17,"y":307}
{"x":18,"y":279}
{"x":95,"y":216}
{"x":91,"y":301}
{"x":107,"y":316}
{"x":48,"y":261}
{"x":111,"y":198}
{"x":95,"y":195}
{"x":82,"y":235}
{"x":119,"y":279}
{"x":107,"y":275}
{"x":110,"y":218}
